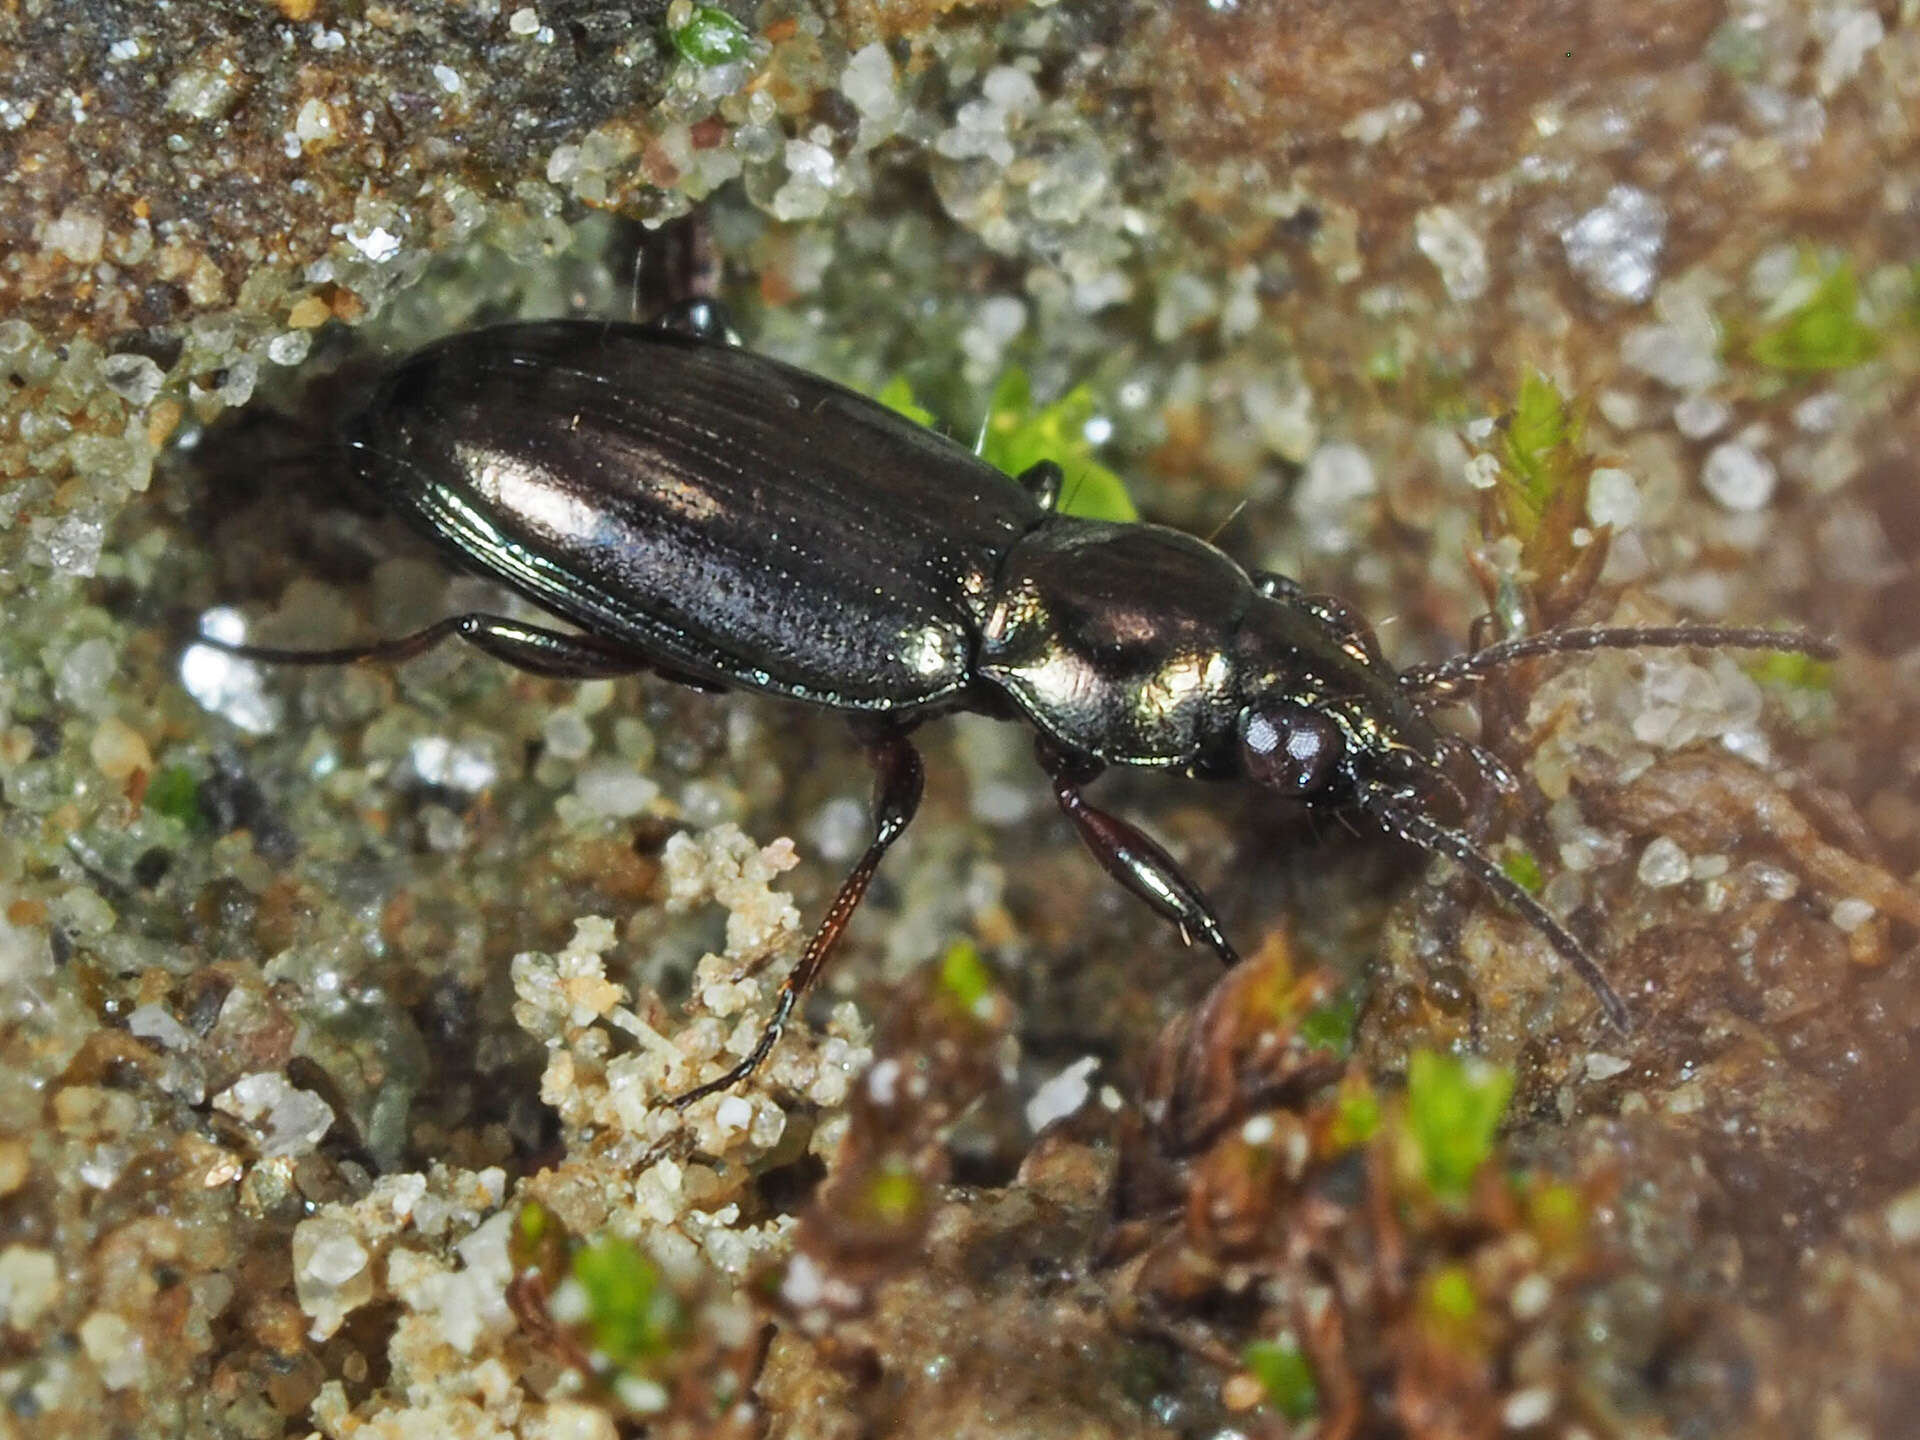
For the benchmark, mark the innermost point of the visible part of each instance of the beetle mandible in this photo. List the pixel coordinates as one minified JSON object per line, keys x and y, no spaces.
{"x":729,"y":521}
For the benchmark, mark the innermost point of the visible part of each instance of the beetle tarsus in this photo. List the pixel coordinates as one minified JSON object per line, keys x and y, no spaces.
{"x":1131,"y":856}
{"x":898,"y":783}
{"x":699,"y":319}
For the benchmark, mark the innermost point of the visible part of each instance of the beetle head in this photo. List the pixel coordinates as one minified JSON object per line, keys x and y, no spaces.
{"x":1327,"y":719}
{"x":1324,"y":717}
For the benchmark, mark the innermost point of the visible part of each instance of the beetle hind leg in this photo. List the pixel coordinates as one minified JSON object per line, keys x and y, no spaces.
{"x":898,"y":782}
{"x":526,"y":647}
{"x":1132,"y":856}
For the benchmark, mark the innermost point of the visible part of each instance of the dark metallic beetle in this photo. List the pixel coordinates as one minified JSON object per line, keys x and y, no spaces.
{"x":729,"y":521}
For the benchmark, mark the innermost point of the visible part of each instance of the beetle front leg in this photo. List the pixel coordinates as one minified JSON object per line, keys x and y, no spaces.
{"x":1130,"y":855}
{"x":898,"y":782}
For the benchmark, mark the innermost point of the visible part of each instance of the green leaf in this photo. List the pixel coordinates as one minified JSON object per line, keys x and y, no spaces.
{"x":1449,"y":1296}
{"x":631,"y":1313}
{"x":1356,"y":1115}
{"x":1015,"y":437}
{"x":1557,"y":1215}
{"x":534,"y":1223}
{"x":894,"y":1195}
{"x":1825,"y":331}
{"x":964,"y":977}
{"x":1793,"y":671}
{"x":897,"y":395}
{"x":1454,"y":1107}
{"x":1543,"y":445}
{"x":1283,"y":1372}
{"x":710,"y":36}
{"x":1522,"y":869}
{"x":174,"y":793}
{"x":1330,"y":1026}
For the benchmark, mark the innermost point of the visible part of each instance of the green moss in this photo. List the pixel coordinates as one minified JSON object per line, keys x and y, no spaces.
{"x":1735,"y":49}
{"x":964,"y":977}
{"x":1522,"y":869}
{"x":1330,"y":1026}
{"x":1385,"y":364}
{"x":1825,"y":331}
{"x":897,"y":395}
{"x":175,"y":793}
{"x":1787,"y":670}
{"x":1016,"y":437}
{"x":1454,"y":1107}
{"x":1543,"y":454}
{"x":1557,"y":1216}
{"x":1356,"y":1114}
{"x":709,"y":36}
{"x":1283,"y":1372}
{"x":1449,"y":1304}
{"x":894,"y":1195}
{"x":631,"y":1314}
{"x":1539,"y":497}
{"x":533,"y":1224}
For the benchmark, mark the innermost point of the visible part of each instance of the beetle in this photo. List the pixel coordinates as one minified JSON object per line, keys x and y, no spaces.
{"x":731,"y":522}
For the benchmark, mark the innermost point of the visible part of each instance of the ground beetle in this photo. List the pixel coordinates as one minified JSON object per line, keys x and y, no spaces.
{"x":728,"y":521}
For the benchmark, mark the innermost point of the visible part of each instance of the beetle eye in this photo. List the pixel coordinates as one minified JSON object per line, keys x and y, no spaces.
{"x":1290,"y":747}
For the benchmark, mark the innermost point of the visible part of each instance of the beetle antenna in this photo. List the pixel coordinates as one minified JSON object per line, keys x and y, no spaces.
{"x":1436,"y":839}
{"x":1446,"y":674}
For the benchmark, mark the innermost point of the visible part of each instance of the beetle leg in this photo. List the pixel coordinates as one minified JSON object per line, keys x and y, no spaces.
{"x":898,"y":781}
{"x":701,"y":319}
{"x":1042,"y":480}
{"x":527,"y":647}
{"x":1275,"y":586}
{"x":1130,"y":855}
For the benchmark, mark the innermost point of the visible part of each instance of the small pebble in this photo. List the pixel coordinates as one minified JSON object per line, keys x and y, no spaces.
{"x":615,"y":790}
{"x":134,"y":378}
{"x":1739,"y":478}
{"x":1456,"y":250}
{"x":1602,"y":1066}
{"x":118,"y":750}
{"x":1530,"y":1297}
{"x":1663,"y":863}
{"x":1527,"y":1408}
{"x":567,"y":735}
{"x":870,"y":83}
{"x":1062,"y":1095}
{"x":1699,"y":416}
{"x":1903,"y":1217}
{"x":1613,"y":498}
{"x":1850,"y":914}
{"x":1338,"y":476}
{"x":1482,"y":472}
{"x":290,"y":347}
{"x":156,"y":1023}
{"x":1615,"y":247}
